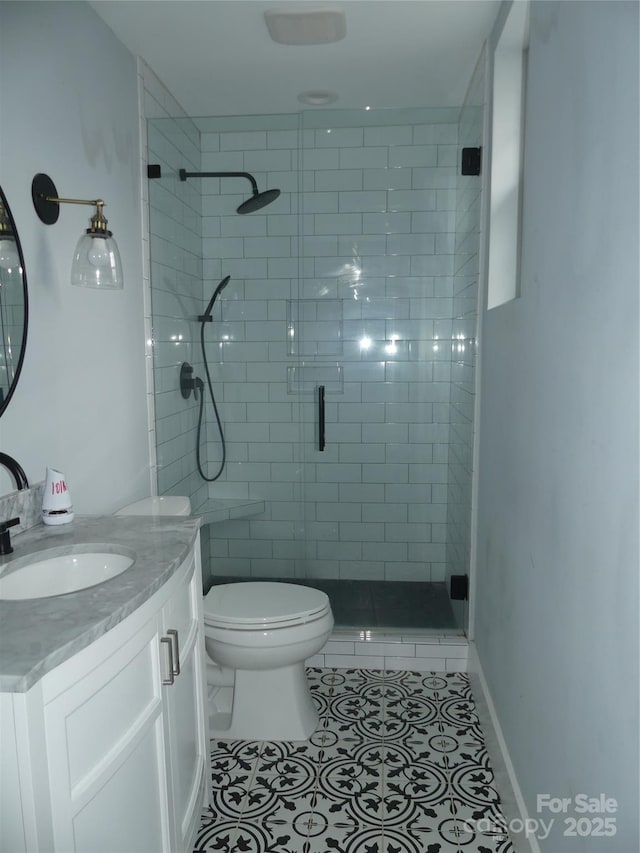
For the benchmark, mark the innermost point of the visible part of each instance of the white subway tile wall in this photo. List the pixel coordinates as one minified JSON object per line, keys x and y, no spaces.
{"x":377,"y":650}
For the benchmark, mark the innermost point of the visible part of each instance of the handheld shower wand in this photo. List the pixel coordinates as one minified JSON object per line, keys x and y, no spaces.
{"x":203,"y":319}
{"x":206,"y":317}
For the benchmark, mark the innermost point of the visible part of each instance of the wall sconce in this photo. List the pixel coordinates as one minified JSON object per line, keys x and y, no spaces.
{"x":96,"y":260}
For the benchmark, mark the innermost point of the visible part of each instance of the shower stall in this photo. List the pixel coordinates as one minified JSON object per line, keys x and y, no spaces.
{"x":341,"y":352}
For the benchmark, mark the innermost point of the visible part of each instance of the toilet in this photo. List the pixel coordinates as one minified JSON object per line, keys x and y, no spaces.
{"x":258,"y":635}
{"x":263,"y":632}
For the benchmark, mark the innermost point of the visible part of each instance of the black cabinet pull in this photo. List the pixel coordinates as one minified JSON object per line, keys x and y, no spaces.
{"x":321,"y":439}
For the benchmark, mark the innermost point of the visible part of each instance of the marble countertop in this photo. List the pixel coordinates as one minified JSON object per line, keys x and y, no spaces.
{"x":36,"y":635}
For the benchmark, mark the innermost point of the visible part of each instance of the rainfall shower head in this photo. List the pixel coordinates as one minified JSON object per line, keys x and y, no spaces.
{"x":256,"y":202}
{"x":206,"y":317}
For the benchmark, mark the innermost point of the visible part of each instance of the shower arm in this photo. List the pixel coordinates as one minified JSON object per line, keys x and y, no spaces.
{"x":184,"y":175}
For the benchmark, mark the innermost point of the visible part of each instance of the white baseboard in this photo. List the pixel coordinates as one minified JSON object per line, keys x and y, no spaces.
{"x":513,"y":805}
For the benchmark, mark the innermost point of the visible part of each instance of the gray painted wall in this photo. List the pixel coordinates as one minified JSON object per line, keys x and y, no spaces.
{"x":69,"y":107}
{"x":557,"y":573}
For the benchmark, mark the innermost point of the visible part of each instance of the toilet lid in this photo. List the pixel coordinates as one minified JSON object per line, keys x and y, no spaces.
{"x":256,"y":604}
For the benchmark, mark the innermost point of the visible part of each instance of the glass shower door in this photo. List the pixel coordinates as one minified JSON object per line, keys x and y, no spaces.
{"x":373,"y":328}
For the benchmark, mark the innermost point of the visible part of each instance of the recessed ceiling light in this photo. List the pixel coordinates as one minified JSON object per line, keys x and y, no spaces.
{"x":317,"y":98}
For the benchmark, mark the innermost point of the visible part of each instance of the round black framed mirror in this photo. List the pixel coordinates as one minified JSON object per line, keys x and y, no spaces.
{"x":14,"y":305}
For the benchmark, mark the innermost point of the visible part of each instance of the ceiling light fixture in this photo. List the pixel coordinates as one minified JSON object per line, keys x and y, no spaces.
{"x":317,"y":98}
{"x":315,"y":25}
{"x":96,"y":260}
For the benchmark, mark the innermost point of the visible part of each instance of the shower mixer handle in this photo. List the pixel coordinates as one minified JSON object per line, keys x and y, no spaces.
{"x":189,"y":382}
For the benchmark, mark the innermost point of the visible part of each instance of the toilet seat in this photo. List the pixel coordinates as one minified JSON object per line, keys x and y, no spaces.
{"x":259,"y":605}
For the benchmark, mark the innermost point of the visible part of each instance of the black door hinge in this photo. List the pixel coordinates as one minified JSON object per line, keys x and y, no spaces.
{"x":471,"y":161}
{"x":459,"y":587}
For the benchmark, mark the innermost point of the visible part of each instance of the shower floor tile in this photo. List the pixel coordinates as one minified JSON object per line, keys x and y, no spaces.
{"x":379,"y":604}
{"x":397,"y":764}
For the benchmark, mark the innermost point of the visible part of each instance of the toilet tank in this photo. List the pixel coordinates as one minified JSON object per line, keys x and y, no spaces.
{"x":162,"y":505}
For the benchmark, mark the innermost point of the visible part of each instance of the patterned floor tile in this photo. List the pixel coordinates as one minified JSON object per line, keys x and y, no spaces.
{"x":459,"y":711}
{"x":305,"y":753}
{"x":432,"y":837}
{"x":350,"y":731}
{"x":229,"y":795}
{"x":355,"y":680}
{"x":363,"y":760}
{"x":277,"y":799}
{"x":459,"y":838}
{"x":415,"y":709}
{"x":252,"y":837}
{"x":398,"y":764}
{"x":428,"y":745}
{"x":249,"y":837}
{"x":301,"y":764}
{"x":215,"y":834}
{"x":479,"y":818}
{"x":460,"y":745}
{"x":354,"y":707}
{"x":320,"y":678}
{"x":474,"y":786}
{"x":332,"y":839}
{"x":437,"y":686}
{"x":234,"y":755}
{"x":350,"y":802}
{"x":421,"y":781}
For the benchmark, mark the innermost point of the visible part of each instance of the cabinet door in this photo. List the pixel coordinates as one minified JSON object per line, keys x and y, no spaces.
{"x":185,"y":722}
{"x":106,"y":748}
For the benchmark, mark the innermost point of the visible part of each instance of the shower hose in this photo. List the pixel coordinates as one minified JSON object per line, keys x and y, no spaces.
{"x":217,"y":414}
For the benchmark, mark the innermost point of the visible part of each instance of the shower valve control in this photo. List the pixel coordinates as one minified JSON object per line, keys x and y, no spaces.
{"x":189,"y":382}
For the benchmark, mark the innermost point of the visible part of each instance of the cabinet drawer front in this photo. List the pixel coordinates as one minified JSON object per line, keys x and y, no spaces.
{"x":104,"y":710}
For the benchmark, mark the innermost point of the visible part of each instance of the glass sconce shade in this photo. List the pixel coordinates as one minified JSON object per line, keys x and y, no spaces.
{"x":96,"y":262}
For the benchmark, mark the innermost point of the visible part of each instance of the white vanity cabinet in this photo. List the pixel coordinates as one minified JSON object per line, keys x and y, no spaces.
{"x":107,"y":753}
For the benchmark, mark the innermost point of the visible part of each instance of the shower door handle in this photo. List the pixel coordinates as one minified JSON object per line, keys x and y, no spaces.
{"x":321,"y":438}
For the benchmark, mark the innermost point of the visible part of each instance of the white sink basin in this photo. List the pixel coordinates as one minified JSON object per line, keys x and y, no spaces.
{"x":61,"y":574}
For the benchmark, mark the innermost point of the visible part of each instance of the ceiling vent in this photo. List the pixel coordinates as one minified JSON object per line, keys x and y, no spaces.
{"x":316,"y":25}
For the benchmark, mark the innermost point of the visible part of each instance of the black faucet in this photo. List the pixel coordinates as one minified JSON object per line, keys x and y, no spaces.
{"x":5,"y":535}
{"x":15,"y":470}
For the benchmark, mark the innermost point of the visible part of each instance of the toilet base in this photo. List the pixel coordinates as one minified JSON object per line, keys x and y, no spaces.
{"x":268,"y":704}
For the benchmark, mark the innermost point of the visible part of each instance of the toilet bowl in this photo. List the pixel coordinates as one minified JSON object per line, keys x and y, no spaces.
{"x":263,"y":632}
{"x":258,"y":635}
